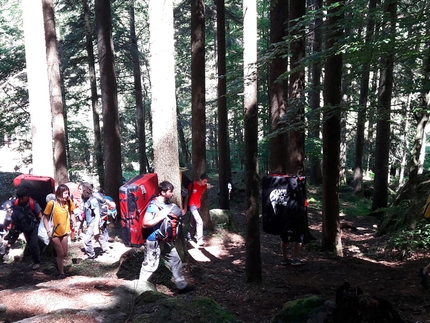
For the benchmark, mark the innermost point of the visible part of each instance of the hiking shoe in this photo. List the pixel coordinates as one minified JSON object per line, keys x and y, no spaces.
{"x":297,"y":262}
{"x":91,"y":257}
{"x":186,"y":289}
{"x":190,"y":238}
{"x":285,"y":262}
{"x":35,"y":266}
{"x":200,"y":243}
{"x":61,"y":276}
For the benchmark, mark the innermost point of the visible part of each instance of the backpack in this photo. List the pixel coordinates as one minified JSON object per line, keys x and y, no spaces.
{"x":23,"y":217}
{"x":426,"y":213}
{"x":107,"y":207}
{"x":169,"y":227}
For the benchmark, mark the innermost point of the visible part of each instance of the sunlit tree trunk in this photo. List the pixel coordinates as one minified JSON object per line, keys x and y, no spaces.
{"x":253,"y":256}
{"x":163,"y":107}
{"x":331,"y":233}
{"x":38,"y":88}
{"x":111,"y":134}
{"x":58,"y":125}
{"x":140,"y":110}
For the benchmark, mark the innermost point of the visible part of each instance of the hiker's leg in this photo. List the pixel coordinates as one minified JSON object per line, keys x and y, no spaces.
{"x":150,"y":261}
{"x":192,"y":226}
{"x":174,"y":262}
{"x":103,"y":239}
{"x":88,"y":243}
{"x":33,"y":245}
{"x":199,"y":222}
{"x":61,"y":248}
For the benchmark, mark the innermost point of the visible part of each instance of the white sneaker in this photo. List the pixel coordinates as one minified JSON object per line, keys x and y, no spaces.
{"x":200,"y":243}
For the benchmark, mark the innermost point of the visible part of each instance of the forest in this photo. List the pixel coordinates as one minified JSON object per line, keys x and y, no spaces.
{"x":337,"y":91}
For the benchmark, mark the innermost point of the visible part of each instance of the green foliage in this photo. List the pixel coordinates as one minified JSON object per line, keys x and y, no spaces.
{"x":394,"y":217}
{"x":351,"y":204}
{"x":407,"y":241}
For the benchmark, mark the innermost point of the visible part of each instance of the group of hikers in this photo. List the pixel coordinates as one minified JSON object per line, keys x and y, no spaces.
{"x":64,"y":215}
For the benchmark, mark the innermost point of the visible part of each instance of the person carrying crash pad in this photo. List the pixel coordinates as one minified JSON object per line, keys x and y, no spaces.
{"x":157,"y":210}
{"x":26,"y":214}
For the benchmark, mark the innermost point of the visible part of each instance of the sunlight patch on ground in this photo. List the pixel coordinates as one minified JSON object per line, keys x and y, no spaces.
{"x":198,"y":255}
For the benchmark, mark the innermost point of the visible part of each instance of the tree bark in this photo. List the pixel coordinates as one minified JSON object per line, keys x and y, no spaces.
{"x":253,"y":255}
{"x":362,"y":104}
{"x":163,"y":107}
{"x":111,"y":133}
{"x":296,"y":106}
{"x":315,"y":100}
{"x":278,"y":91}
{"x":223,"y":149}
{"x":140,"y":109}
{"x":38,"y":88}
{"x":98,"y":149}
{"x":58,"y":125}
{"x":331,"y":233}
{"x":382,"y":150}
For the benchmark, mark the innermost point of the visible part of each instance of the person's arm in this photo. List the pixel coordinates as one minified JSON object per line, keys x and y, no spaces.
{"x":151,"y":218}
{"x":185,"y":209}
{"x":46,"y":215}
{"x":96,"y":211}
{"x":45,"y":220}
{"x":72,"y":209}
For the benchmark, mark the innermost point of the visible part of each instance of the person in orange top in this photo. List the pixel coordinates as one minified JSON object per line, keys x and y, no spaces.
{"x":193,"y":202}
{"x":62,"y":209}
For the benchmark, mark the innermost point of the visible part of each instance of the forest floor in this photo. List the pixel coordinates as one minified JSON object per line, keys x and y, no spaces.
{"x":217,"y":271}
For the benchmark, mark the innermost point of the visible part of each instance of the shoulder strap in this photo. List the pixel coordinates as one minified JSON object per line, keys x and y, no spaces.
{"x":31,"y":202}
{"x":157,"y":204}
{"x":52,"y":210}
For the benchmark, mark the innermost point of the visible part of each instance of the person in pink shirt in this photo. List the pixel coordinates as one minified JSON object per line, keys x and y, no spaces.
{"x":193,"y":203}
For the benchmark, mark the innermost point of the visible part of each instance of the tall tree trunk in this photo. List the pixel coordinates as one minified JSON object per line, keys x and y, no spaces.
{"x":315,"y":99}
{"x":296,"y":102}
{"x":278,"y":90}
{"x":98,"y":150}
{"x":163,"y":107}
{"x":111,"y":133}
{"x":140,"y":109}
{"x":223,"y":149}
{"x":422,"y":118}
{"x":382,"y":150}
{"x":253,"y":257}
{"x":331,"y":234}
{"x":198,"y":100}
{"x":38,"y":88}
{"x":364,"y":92}
{"x":58,"y":125}
{"x":182,"y":141}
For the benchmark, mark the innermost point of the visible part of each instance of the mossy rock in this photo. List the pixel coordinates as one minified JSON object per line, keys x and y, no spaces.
{"x":299,"y":310}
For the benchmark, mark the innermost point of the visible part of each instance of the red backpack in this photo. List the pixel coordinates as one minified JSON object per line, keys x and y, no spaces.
{"x":24,"y":218}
